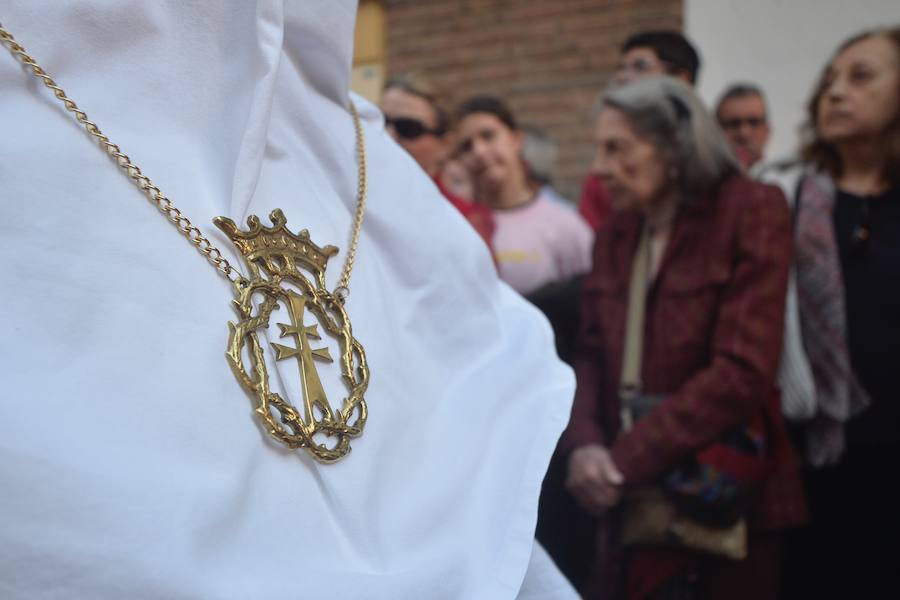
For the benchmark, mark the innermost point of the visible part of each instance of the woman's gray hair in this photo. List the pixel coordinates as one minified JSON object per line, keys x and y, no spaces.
{"x":667,"y":112}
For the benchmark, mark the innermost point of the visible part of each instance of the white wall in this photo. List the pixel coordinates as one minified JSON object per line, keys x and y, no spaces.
{"x":780,"y":45}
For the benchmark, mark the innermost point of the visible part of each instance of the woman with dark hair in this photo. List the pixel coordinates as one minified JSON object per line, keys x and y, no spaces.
{"x":537,"y":241}
{"x":681,"y":330}
{"x":847,"y":223}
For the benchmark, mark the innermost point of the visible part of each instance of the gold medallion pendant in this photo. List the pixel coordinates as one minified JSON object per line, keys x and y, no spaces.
{"x":276,"y":260}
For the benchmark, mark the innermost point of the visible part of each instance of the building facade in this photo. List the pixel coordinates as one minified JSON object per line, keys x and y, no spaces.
{"x":549,"y":59}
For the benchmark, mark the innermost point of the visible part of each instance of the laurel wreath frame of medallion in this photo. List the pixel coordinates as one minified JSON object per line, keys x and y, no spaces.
{"x":272,"y":255}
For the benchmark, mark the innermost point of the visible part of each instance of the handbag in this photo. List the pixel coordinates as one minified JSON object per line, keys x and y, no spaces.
{"x":700,"y":504}
{"x":651,"y":519}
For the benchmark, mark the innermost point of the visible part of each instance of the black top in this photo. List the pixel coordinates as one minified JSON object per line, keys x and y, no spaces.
{"x":868,"y":237}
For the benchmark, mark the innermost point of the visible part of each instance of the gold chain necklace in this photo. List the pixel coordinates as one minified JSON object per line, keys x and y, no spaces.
{"x":274,"y":257}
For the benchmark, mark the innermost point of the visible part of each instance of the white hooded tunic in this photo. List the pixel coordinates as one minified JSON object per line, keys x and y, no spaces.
{"x":130,"y":460}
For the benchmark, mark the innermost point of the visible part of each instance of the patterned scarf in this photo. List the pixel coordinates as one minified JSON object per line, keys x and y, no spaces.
{"x":823,"y":320}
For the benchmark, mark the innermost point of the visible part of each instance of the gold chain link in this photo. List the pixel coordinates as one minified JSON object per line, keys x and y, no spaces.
{"x":173,"y":214}
{"x":361,"y":187}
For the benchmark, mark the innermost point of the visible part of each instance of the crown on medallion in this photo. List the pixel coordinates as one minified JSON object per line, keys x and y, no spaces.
{"x":263,"y":243}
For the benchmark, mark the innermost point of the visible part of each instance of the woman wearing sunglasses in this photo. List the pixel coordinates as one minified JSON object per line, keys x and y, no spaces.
{"x":414,"y":117}
{"x":537,"y":241}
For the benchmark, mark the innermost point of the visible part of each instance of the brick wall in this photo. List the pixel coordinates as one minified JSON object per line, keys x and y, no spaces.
{"x":548,"y":58}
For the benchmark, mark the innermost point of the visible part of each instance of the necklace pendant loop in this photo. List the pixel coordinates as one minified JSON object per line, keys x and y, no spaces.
{"x":341,"y":293}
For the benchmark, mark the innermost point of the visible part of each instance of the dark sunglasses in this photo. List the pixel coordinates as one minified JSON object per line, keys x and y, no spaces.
{"x":410,"y":129}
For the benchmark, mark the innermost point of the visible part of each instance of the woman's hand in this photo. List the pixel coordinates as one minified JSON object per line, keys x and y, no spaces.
{"x":593,"y":479}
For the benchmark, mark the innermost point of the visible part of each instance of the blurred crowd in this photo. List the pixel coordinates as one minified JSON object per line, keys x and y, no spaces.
{"x":734,"y":323}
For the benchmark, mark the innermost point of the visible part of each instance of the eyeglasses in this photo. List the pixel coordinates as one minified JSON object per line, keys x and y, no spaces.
{"x":751,"y":122}
{"x":410,"y":129}
{"x":640,"y":66}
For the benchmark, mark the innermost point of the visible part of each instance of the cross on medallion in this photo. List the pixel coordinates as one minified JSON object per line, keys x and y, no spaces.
{"x":313,"y":393}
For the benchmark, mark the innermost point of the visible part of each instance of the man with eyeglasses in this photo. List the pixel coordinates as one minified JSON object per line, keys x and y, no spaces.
{"x":657,"y":53}
{"x":742,"y":114}
{"x":415,"y":118}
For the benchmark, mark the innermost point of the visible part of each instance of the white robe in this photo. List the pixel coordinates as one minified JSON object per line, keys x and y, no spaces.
{"x":130,"y":460}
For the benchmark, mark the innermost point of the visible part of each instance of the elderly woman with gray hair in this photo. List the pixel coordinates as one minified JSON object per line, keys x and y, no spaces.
{"x":681,"y":331}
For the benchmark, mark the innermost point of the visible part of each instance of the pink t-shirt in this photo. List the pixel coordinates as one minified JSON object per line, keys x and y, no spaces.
{"x":539,"y":243}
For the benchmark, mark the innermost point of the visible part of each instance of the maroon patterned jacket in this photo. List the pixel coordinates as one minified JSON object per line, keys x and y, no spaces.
{"x":712,"y":339}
